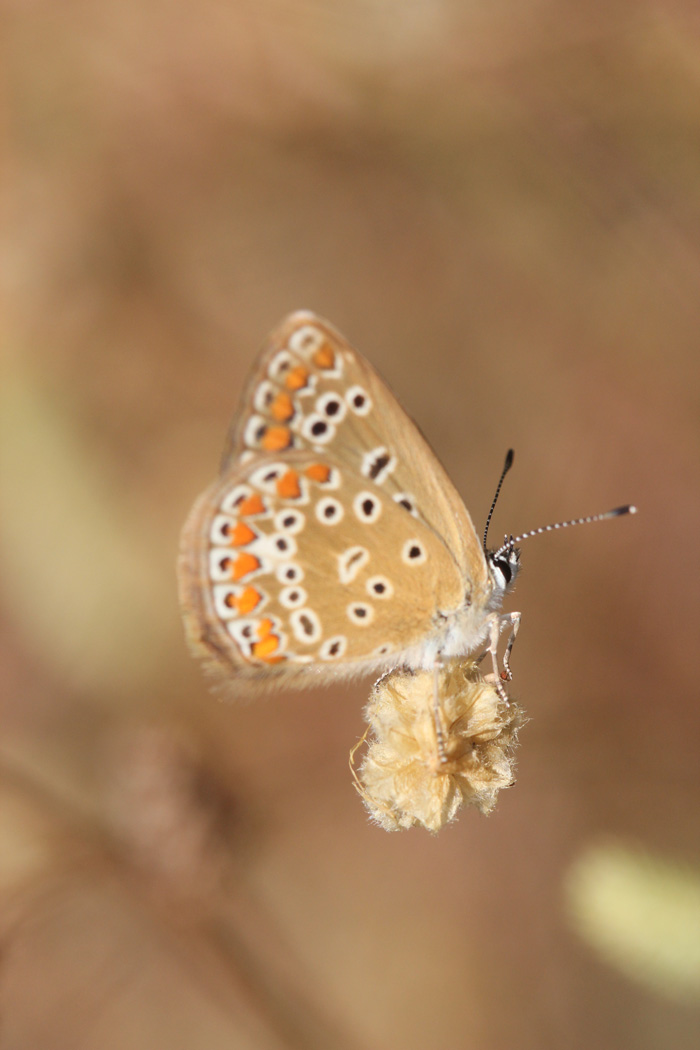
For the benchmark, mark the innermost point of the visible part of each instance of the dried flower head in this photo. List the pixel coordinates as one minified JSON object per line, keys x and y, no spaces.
{"x":425,"y":760}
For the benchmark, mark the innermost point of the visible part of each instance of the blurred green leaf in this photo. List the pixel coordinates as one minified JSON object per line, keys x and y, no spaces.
{"x":642,"y":914}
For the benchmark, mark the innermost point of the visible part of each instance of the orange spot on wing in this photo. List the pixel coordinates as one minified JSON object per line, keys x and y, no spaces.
{"x":265,"y":649}
{"x":276,"y":438}
{"x":244,"y":564}
{"x":297,"y":378}
{"x":264,"y":627}
{"x":241,"y":535}
{"x":246,"y":601}
{"x":282,"y":408}
{"x":252,"y":505}
{"x":318,"y":472}
{"x":288,"y":486}
{"x":324,"y":357}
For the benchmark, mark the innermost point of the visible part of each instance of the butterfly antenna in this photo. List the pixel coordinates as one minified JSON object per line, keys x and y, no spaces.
{"x":617,"y":512}
{"x":506,"y":467}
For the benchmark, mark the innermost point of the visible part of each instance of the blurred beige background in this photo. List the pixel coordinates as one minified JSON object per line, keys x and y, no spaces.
{"x":499,"y":204}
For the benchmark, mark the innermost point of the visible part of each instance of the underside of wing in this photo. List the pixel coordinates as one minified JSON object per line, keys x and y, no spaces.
{"x":296,"y":567}
{"x":311,"y":390}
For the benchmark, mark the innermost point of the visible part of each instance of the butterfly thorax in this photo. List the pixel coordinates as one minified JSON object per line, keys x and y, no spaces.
{"x":465,"y":630}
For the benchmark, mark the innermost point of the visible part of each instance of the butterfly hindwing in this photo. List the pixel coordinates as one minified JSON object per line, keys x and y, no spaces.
{"x":298,"y":568}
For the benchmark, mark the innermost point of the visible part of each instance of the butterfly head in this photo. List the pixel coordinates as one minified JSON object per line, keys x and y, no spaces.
{"x":504,"y":565}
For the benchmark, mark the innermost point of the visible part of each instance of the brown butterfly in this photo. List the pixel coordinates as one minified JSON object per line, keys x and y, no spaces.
{"x":333,"y":542}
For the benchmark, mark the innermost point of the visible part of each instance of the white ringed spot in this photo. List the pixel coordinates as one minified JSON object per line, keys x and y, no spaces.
{"x":243,"y":633}
{"x":306,"y":339}
{"x":329,"y":511}
{"x":290,"y":521}
{"x":317,"y":429}
{"x":220,"y":564}
{"x":223,"y":601}
{"x":360,"y":613}
{"x":306,"y":625}
{"x":277,"y":545}
{"x":358,"y":400}
{"x":367,"y":506}
{"x":351,"y":562}
{"x":235,"y":497}
{"x":221,"y":528}
{"x":413,"y":553}
{"x":380,"y":587}
{"x":264,"y":395}
{"x":289,"y":572}
{"x":333,"y":648}
{"x":255,"y":431}
{"x":280,"y":364}
{"x":378,"y":464}
{"x":293,"y":597}
{"x":265,"y":478}
{"x":331,"y":406}
{"x":406,"y":500}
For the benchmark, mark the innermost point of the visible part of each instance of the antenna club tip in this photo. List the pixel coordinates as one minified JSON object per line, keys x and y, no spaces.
{"x":627,"y":509}
{"x":510,"y":455}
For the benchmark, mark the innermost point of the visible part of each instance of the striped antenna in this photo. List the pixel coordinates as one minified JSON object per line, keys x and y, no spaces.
{"x":506,"y":467}
{"x":617,"y":512}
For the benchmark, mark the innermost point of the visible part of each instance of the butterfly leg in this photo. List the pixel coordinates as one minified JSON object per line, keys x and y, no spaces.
{"x":514,"y":620}
{"x":438,"y":665}
{"x":496,"y":626}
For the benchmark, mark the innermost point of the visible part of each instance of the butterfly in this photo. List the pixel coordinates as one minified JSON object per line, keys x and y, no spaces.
{"x":333,"y":542}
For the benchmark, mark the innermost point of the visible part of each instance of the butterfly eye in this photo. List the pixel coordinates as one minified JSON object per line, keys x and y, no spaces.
{"x":367,"y":506}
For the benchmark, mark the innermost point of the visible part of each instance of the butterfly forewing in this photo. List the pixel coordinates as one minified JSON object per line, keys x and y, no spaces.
{"x":310,"y":389}
{"x":333,"y":540}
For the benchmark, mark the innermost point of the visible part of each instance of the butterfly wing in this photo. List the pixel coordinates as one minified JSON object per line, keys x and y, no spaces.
{"x":333,"y":540}
{"x":310,"y":389}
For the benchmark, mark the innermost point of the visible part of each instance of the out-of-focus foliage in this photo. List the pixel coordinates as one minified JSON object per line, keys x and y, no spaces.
{"x":642,"y":913}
